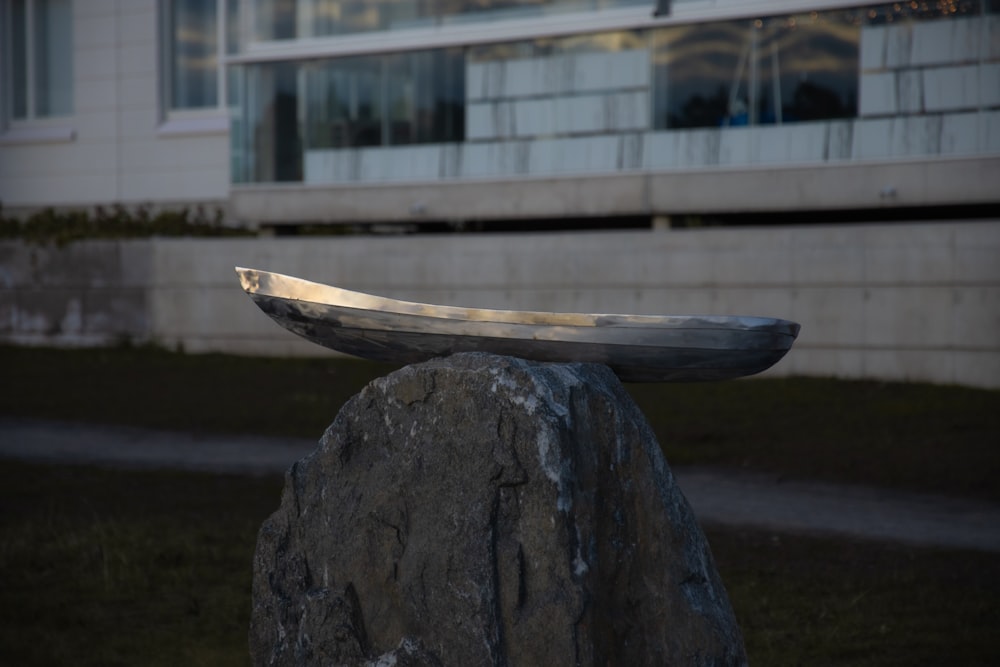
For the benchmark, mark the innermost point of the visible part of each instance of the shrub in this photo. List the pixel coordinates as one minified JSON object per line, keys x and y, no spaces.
{"x":116,"y":222}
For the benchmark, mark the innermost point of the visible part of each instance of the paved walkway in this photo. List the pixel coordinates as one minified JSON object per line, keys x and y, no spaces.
{"x":717,"y":497}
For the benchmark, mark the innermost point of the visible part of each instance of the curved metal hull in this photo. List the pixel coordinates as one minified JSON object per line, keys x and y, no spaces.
{"x":639,"y":348}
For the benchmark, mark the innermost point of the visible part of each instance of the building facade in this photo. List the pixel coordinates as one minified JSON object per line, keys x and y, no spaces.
{"x":520,"y":115}
{"x":291,"y":111}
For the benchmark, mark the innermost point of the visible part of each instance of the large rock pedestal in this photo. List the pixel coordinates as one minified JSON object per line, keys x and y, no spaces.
{"x":484,"y":510}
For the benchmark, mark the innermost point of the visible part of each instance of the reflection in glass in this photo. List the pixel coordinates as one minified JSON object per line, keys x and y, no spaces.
{"x":918,"y":10}
{"x":343,"y":102}
{"x":193,"y":54}
{"x":41,"y":58}
{"x":781,"y":70}
{"x":265,"y":133}
{"x":417,"y":97}
{"x":53,"y":58}
{"x":607,"y":42}
{"x":425,"y":97}
{"x":19,"y":58}
{"x":233,"y":33}
{"x":387,"y":100}
{"x":275,"y":19}
{"x":290,"y":19}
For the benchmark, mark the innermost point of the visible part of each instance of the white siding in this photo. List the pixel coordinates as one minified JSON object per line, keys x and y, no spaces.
{"x":116,"y":153}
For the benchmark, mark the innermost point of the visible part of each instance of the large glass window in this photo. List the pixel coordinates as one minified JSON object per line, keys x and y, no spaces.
{"x":39,"y":58}
{"x":772,"y":70}
{"x":922,"y":10}
{"x":194,"y":48}
{"x":196,"y":35}
{"x":267,"y":144}
{"x":386,"y":100}
{"x":290,"y":19}
{"x":600,"y":42}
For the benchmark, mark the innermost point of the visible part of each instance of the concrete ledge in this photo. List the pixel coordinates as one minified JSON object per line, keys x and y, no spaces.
{"x":874,"y":184}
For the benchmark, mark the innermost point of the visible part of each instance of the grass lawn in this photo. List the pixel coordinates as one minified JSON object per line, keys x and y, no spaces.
{"x":109,"y":567}
{"x":912,"y":436}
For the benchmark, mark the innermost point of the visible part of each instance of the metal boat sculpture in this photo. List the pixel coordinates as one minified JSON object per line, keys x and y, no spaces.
{"x":638,"y":348}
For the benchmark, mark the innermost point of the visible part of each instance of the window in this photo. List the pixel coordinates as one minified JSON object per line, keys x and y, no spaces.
{"x":194,"y":51}
{"x":39,"y":56}
{"x":197,"y":35}
{"x":291,"y":109}
{"x":761,"y":71}
{"x":291,"y":19}
{"x":411,"y":98}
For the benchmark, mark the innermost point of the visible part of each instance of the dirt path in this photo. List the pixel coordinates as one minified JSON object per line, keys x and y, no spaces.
{"x":721,"y":497}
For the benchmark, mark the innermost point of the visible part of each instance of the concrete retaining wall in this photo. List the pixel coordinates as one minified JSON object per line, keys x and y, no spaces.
{"x":894,"y":302}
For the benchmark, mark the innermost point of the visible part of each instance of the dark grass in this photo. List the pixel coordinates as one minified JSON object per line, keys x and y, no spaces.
{"x":913,"y":436}
{"x":818,"y":601}
{"x":106,"y":567}
{"x":919,"y":437}
{"x":111,"y":567}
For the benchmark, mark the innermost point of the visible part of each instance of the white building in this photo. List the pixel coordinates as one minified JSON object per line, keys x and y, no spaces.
{"x":521,"y":115}
{"x":288,"y":111}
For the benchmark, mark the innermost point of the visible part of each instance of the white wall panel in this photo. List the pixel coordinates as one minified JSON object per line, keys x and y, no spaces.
{"x":92,"y":31}
{"x":98,"y":64}
{"x":137,"y":59}
{"x":544,"y":157}
{"x":960,"y":134}
{"x":989,"y":128}
{"x":534,"y":117}
{"x":139,"y":26}
{"x":92,"y":127}
{"x":137,"y":92}
{"x":96,"y":95}
{"x":916,"y":135}
{"x":137,"y":123}
{"x":951,"y":88}
{"x":839,"y":139}
{"x":990,"y":48}
{"x":663,"y":150}
{"x":736,"y":146}
{"x":97,"y":8}
{"x":794,"y":142}
{"x":699,"y":148}
{"x":976,"y":316}
{"x":934,"y":43}
{"x":475,"y":81}
{"x":989,"y":85}
{"x":872,"y":138}
{"x":872,"y":47}
{"x":522,"y":77}
{"x":898,"y":45}
{"x":909,"y":91}
{"x":477,"y":121}
{"x":877,"y":94}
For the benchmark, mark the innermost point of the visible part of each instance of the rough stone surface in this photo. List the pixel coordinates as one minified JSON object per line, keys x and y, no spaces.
{"x":484,"y":510}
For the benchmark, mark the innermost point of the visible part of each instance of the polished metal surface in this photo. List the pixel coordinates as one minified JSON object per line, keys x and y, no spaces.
{"x":639,"y":348}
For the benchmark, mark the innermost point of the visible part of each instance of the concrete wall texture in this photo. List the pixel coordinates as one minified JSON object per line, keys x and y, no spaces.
{"x":893,"y":302}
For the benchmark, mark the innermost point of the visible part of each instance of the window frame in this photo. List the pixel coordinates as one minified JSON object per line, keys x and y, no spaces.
{"x":212,"y":119}
{"x":31,"y":127}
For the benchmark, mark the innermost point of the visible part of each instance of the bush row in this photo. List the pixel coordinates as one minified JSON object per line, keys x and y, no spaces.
{"x":116,"y":222}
